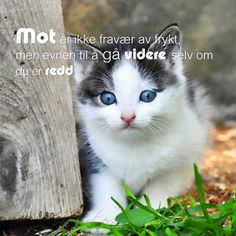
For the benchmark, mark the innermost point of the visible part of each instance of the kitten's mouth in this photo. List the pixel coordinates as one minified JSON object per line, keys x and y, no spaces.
{"x":130,"y":127}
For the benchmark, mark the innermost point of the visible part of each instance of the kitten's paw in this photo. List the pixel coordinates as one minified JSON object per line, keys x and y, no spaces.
{"x":156,"y":201}
{"x":96,"y":231}
{"x":99,"y":216}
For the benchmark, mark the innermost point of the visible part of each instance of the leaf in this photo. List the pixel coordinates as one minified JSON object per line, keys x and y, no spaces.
{"x":169,"y":232}
{"x":149,"y":232}
{"x":125,"y":218}
{"x":149,"y":209}
{"x":136,"y":216}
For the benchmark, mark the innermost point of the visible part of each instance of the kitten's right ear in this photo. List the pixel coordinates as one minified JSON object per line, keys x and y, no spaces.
{"x":85,"y":55}
{"x":169,"y":41}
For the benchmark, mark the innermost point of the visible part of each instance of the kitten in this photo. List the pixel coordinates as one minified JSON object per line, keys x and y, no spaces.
{"x":143,"y":123}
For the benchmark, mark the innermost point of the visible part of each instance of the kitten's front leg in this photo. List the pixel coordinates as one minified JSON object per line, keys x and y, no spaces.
{"x":105,"y":186}
{"x":170,"y":184}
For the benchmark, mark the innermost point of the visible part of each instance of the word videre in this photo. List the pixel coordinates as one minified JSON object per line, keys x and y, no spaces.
{"x":145,"y":54}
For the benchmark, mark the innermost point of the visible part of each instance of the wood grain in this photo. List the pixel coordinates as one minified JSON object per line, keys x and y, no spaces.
{"x":39,"y":165}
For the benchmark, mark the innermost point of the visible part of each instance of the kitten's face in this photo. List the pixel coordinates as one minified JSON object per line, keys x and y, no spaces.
{"x":129,"y":97}
{"x":127,"y":100}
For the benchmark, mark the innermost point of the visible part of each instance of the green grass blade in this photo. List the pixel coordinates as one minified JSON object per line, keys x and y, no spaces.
{"x":201,"y":193}
{"x":149,"y":209}
{"x":127,"y":190}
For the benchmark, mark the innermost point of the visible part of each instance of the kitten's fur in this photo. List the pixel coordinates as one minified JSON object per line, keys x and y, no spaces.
{"x":155,"y":159}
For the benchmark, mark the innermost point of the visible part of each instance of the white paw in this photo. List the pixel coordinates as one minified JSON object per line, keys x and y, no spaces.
{"x":100,"y":216}
{"x":96,"y":231}
{"x":156,"y":202}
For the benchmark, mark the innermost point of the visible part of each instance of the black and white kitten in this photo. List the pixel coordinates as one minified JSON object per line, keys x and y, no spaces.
{"x":144,"y":123}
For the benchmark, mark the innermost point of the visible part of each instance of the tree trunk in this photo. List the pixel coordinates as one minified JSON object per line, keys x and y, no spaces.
{"x":39,"y":165}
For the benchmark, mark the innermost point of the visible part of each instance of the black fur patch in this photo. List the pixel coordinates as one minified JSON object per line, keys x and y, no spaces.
{"x":90,"y":164}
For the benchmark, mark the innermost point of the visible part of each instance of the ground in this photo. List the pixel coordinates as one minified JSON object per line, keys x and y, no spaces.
{"x":218,"y":171}
{"x":219,"y":165}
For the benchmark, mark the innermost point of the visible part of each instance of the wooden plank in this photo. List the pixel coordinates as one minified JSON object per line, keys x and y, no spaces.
{"x":39,"y":165}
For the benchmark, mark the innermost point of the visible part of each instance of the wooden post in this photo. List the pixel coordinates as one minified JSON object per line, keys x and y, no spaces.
{"x":39,"y":165}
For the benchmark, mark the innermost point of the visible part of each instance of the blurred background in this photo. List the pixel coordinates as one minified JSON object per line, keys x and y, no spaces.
{"x":207,"y":26}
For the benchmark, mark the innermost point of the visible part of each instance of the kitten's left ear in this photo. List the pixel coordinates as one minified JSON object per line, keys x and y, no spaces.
{"x":169,"y":41}
{"x":83,"y":57}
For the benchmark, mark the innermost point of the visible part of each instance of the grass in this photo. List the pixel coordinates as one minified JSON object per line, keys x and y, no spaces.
{"x":183,"y":216}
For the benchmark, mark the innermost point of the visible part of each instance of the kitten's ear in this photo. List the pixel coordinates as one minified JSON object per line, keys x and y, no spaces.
{"x":169,"y":40}
{"x":85,"y":55}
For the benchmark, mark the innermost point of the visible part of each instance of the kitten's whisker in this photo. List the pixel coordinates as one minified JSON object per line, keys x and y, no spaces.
{"x":102,"y":128}
{"x":154,"y":134}
{"x":159,"y":126}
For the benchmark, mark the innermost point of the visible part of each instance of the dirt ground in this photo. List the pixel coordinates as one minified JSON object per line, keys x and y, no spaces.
{"x":218,"y":171}
{"x":218,"y":168}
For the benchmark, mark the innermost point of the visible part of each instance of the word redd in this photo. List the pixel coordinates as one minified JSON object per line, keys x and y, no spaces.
{"x":59,"y":71}
{"x":24,"y":34}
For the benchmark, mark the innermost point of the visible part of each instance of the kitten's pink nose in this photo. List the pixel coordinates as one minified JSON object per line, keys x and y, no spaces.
{"x":128,"y":118}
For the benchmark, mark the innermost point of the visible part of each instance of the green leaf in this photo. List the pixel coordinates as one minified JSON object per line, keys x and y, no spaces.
{"x":124,"y":219}
{"x":169,"y":232}
{"x":149,"y":209}
{"x":136,"y":216}
{"x":149,"y":232}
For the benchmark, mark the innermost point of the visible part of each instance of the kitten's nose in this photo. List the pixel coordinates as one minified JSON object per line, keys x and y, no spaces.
{"x":128,"y":118}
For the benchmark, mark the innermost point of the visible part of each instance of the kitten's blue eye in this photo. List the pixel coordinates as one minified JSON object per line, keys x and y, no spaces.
{"x":147,"y":96}
{"x":107,"y":98}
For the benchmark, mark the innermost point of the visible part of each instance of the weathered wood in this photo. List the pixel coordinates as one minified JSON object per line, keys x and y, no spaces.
{"x":39,"y":165}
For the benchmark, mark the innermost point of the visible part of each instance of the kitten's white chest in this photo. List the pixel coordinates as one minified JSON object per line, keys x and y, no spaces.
{"x":135,"y":164}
